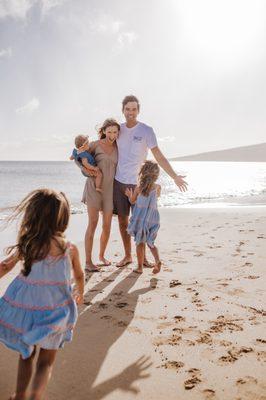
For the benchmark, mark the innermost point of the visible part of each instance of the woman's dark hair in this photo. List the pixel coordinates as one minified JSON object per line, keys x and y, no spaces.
{"x":107,"y":123}
{"x":45,"y":216}
{"x":148,"y":175}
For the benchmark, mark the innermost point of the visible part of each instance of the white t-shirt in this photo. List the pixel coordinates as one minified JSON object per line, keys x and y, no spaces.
{"x":133,"y":144}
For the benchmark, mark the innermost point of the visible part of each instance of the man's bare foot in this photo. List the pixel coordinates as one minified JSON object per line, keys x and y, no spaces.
{"x":99,"y":190}
{"x":104,"y":262}
{"x":90,"y":267}
{"x":125,"y":261}
{"x":138,"y":270}
{"x":157,"y":267}
{"x":147,"y":264}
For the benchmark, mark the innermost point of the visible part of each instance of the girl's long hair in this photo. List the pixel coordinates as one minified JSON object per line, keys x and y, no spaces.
{"x":148,"y":175}
{"x":107,"y":123}
{"x":45,"y":216}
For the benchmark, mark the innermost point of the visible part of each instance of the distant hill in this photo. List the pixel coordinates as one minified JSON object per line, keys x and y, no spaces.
{"x":253,"y":153}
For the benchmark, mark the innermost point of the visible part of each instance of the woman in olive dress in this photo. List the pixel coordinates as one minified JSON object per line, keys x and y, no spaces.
{"x":104,"y":151}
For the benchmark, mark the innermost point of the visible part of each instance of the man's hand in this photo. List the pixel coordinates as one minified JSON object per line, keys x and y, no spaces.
{"x":179,"y":181}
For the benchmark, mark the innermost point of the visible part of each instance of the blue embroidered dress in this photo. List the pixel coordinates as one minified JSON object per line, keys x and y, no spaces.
{"x":145,"y":221}
{"x":39,"y":309}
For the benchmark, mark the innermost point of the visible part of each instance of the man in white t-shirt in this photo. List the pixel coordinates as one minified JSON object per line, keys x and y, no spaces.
{"x":134,"y":141}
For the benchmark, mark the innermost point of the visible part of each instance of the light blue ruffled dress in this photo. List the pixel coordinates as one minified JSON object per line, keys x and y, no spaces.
{"x":39,"y":309}
{"x":145,"y":220}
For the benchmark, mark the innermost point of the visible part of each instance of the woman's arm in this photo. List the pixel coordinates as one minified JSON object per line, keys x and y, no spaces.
{"x":78,"y":274}
{"x":132,"y":195}
{"x":8,"y":264}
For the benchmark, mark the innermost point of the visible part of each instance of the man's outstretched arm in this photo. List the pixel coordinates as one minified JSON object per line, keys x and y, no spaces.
{"x":166,"y":166}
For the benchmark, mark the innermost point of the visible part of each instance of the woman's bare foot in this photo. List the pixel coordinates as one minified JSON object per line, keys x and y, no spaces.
{"x":104,"y":262}
{"x":125,"y":261}
{"x":138,"y":270}
{"x":157,"y":267}
{"x":90,"y":267}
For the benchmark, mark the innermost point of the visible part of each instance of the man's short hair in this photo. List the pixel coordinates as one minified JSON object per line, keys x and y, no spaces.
{"x":129,"y":98}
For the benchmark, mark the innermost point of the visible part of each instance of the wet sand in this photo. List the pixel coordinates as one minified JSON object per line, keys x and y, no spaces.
{"x":195,"y":331}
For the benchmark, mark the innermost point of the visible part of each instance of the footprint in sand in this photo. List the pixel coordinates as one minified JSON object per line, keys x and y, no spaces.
{"x":170,"y":340}
{"x":174,"y":283}
{"x":249,"y":387}
{"x":262,"y":341}
{"x":194,"y":380}
{"x":247,"y":264}
{"x":204,"y":338}
{"x":175,"y":365}
{"x":106,"y":317}
{"x":234,"y":354}
{"x":208,"y":394}
{"x":222,"y":323}
{"x":121,"y":305}
{"x":179,"y":318}
{"x":122,"y":324}
{"x":103,"y":305}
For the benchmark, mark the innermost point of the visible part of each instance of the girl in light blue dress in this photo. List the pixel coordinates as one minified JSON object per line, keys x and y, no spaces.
{"x":145,"y":220}
{"x":38,"y":307}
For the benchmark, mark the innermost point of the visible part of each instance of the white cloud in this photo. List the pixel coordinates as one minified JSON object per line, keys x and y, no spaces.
{"x":168,"y":139}
{"x":19,"y":8}
{"x":15,"y":8}
{"x":47,"y":5}
{"x":6,"y":53}
{"x":29,"y":108}
{"x":126,"y":38}
{"x":106,"y":25}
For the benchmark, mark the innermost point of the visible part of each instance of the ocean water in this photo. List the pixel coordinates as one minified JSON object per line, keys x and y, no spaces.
{"x":211,"y":184}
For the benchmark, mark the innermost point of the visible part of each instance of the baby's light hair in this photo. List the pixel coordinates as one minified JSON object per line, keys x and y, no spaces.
{"x":80,"y":140}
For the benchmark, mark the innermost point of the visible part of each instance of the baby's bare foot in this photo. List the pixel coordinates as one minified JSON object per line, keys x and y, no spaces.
{"x":99,"y":190}
{"x":157,"y":267}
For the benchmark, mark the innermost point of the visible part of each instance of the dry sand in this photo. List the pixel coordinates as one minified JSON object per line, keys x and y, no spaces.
{"x":195,"y":331}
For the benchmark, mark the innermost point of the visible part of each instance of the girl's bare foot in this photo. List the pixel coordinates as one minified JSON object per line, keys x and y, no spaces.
{"x":90,"y":267}
{"x":138,"y":270}
{"x":147,"y":264}
{"x":125,"y":261}
{"x":17,"y":397}
{"x":157,"y":267}
{"x":104,"y":262}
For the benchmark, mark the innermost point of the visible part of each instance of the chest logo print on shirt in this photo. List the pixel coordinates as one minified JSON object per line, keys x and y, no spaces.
{"x":137,"y":139}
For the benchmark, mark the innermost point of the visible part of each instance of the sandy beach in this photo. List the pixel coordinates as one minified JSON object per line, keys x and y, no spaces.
{"x":195,"y":331}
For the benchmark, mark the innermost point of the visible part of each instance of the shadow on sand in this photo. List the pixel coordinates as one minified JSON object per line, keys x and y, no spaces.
{"x":99,"y":326}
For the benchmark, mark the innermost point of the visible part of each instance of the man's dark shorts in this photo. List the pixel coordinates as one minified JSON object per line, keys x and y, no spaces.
{"x":122,"y":205}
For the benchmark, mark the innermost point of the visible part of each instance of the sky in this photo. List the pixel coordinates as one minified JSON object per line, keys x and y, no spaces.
{"x":198,"y":68}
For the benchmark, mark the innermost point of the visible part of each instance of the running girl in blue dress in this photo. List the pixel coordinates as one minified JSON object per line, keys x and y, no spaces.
{"x":145,"y":221}
{"x":39,"y":308}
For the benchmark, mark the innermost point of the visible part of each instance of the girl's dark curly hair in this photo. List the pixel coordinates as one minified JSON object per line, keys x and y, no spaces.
{"x":148,"y":175}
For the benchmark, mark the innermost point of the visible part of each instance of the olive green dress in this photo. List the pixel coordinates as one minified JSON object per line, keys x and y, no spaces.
{"x":107,"y":164}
